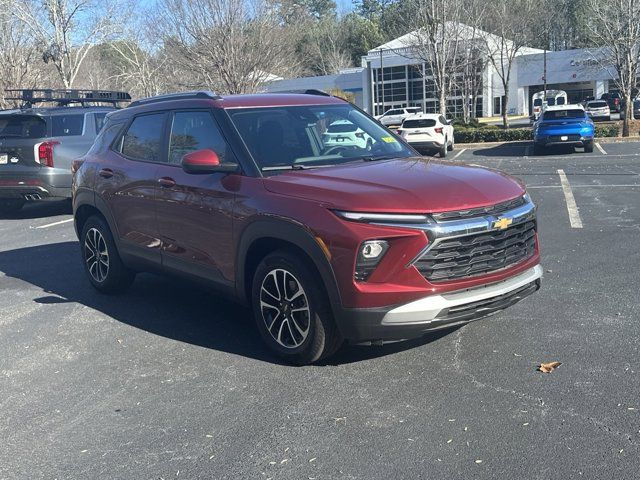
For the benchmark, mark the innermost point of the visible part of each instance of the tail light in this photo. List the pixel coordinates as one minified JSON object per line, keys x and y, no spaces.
{"x":438,"y":130}
{"x":616,"y":101}
{"x":45,"y":153}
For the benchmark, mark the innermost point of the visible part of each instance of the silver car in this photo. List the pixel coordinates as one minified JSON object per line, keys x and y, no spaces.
{"x":38,"y":144}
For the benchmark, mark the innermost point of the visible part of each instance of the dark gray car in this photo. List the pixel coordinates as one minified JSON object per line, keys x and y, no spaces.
{"x":38,"y":145}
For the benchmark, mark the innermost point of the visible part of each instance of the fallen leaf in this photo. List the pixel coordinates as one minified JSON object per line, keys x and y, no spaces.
{"x":525,"y":424}
{"x":313,"y":460}
{"x":284,"y":461}
{"x":478,"y":461}
{"x":450,"y":440}
{"x":549,"y":367}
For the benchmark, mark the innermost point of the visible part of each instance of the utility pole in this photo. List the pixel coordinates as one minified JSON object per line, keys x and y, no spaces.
{"x":546,"y":47}
{"x":381,"y":83}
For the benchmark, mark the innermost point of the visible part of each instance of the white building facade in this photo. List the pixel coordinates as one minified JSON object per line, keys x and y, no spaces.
{"x":392,"y":77}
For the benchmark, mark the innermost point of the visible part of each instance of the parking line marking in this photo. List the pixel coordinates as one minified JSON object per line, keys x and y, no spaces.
{"x":55,"y":223}
{"x":459,"y":153}
{"x":599,"y":147}
{"x":572,"y":208}
{"x":629,"y":185}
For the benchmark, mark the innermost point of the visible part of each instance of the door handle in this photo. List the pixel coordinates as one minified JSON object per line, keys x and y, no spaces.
{"x":167,"y":182}
{"x":106,"y":173}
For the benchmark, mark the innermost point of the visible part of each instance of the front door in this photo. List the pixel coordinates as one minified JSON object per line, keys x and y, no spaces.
{"x":195,"y":211}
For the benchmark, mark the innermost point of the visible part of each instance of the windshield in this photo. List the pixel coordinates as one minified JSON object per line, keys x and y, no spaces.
{"x":296,"y":136}
{"x":597,"y":104}
{"x":22,"y":126}
{"x":563,"y":114}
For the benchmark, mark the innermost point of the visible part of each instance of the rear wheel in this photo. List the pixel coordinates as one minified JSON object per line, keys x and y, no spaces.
{"x":11,"y":205}
{"x":100,"y":258}
{"x":588,"y":146}
{"x":443,"y":150}
{"x":292,"y":311}
{"x":451,"y":145}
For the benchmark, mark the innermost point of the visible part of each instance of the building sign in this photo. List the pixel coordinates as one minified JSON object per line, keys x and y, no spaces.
{"x":587,"y":62}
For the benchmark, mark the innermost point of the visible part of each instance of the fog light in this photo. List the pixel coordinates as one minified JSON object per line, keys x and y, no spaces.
{"x":369,"y":256}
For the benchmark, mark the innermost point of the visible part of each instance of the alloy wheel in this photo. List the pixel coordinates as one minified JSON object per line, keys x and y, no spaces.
{"x":96,"y":255}
{"x":285,"y":308}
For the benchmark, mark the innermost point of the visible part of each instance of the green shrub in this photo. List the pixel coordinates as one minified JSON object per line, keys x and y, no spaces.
{"x":480,"y":135}
{"x":495,"y":134}
{"x":607,"y":131}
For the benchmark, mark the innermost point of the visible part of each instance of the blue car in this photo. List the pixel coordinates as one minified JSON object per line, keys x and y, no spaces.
{"x":563,"y":125}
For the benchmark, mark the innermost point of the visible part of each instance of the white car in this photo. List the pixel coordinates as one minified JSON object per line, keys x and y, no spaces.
{"x":396,"y":116}
{"x":343,"y":133}
{"x":598,"y":109}
{"x":428,"y":132}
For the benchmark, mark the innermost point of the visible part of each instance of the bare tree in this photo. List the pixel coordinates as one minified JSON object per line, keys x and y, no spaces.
{"x":616,"y":30}
{"x":230,"y":45}
{"x":19,"y":61}
{"x":68,"y":29}
{"x":510,"y":35}
{"x":436,"y":40}
{"x":325,"y":48}
{"x":471,"y":62}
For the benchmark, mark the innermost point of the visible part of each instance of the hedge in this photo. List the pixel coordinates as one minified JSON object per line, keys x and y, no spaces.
{"x":481,"y":135}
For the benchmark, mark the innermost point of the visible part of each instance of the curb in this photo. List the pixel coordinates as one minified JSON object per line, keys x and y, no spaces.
{"x":498,"y":144}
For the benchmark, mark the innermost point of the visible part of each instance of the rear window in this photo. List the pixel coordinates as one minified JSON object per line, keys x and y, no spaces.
{"x":67,"y":125}
{"x":537,"y":102}
{"x":22,"y":126}
{"x":99,"y":118}
{"x":342,"y":128}
{"x":419,"y":123}
{"x":597,"y":104}
{"x":413,"y":110}
{"x":561,"y":114}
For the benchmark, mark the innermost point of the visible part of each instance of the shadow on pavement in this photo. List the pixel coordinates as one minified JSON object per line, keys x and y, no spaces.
{"x":163,"y":306}
{"x":515,"y":149}
{"x":39,"y":210}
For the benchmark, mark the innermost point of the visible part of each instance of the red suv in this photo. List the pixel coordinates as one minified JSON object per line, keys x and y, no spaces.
{"x":366,"y":241}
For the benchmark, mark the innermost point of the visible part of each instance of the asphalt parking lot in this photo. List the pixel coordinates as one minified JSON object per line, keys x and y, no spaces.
{"x":170,"y":381}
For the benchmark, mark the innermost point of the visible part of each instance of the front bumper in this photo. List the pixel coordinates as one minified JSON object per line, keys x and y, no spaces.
{"x":434,"y":312}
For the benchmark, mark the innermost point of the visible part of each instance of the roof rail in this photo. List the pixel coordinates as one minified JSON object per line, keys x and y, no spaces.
{"x":63,"y":97}
{"x":206,"y":94}
{"x":308,"y":91}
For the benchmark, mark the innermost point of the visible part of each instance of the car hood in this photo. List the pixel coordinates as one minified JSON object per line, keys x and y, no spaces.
{"x":409,"y":185}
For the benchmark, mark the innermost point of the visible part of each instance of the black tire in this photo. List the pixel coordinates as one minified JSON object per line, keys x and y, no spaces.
{"x":369,"y":145}
{"x":11,"y":205}
{"x":112,"y":278}
{"x":443,"y":151}
{"x":451,"y":146}
{"x":310,"y":337}
{"x":537,"y":149}
{"x":588,"y":146}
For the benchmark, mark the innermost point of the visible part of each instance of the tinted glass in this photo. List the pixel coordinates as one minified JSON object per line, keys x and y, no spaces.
{"x":282,"y":137}
{"x":22,"y":126}
{"x":597,"y":104}
{"x":537,"y":102}
{"x":105,"y":137}
{"x":419,"y":123}
{"x":99,"y":118}
{"x":143,"y":139}
{"x":562,"y":114}
{"x":342,"y":128}
{"x":551,"y":101}
{"x":560,"y":101}
{"x":191,"y":131}
{"x":67,"y":125}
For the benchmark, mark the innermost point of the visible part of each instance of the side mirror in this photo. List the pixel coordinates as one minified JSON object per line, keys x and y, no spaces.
{"x":205,"y":161}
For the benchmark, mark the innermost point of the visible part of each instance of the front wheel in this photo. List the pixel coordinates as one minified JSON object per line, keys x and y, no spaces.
{"x":101,"y":260}
{"x":292,"y":311}
{"x":588,"y":146}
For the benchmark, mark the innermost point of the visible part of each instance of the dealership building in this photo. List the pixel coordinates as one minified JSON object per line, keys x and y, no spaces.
{"x":391,"y":76}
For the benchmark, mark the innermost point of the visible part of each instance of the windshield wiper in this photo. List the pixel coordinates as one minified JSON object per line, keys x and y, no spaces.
{"x":374,"y":158}
{"x":293,"y":166}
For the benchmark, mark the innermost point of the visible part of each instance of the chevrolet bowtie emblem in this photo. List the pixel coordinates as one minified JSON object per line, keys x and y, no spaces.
{"x":502,"y":223}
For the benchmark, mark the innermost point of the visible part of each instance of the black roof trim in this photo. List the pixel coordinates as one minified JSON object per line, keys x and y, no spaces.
{"x":204,"y":94}
{"x":309,"y":91}
{"x":64,"y":97}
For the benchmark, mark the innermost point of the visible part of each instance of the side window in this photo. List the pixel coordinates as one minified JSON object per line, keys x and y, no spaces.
{"x":143,"y":139}
{"x":443,"y":120}
{"x":67,"y":125}
{"x":196,"y":130}
{"x":105,"y":137}
{"x":99,"y":119}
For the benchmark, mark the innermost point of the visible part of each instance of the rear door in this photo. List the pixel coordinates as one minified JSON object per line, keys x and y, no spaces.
{"x":195,"y":211}
{"x":126,"y":182}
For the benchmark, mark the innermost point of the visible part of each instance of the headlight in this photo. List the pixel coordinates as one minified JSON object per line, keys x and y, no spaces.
{"x":383,"y":218}
{"x":369,"y":255}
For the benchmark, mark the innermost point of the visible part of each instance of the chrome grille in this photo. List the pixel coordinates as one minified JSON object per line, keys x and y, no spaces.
{"x":477,"y":254}
{"x":480,"y":211}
